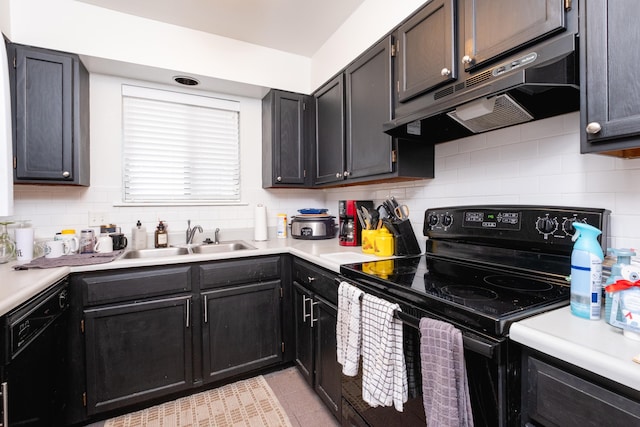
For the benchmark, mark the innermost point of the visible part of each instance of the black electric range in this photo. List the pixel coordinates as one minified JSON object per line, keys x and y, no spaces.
{"x":486,"y":266}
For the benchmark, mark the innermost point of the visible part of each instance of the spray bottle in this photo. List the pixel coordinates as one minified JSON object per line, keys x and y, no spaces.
{"x":586,"y":272}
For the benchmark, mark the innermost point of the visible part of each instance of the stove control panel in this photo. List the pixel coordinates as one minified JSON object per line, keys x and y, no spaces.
{"x":534,"y":225}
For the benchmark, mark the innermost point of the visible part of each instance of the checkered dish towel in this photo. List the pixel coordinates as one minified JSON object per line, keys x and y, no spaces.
{"x":445,"y":390}
{"x":348,"y":331}
{"x":384,"y":373}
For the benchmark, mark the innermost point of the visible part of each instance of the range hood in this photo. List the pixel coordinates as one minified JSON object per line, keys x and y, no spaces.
{"x":539,"y":82}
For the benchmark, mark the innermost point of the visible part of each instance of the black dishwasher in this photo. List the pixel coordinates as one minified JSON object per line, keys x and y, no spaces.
{"x":33,"y":360}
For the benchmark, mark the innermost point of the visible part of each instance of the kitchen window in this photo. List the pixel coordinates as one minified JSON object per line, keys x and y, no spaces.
{"x":179,"y":148}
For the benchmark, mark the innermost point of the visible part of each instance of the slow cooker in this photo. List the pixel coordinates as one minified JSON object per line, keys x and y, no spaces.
{"x":313,"y":227}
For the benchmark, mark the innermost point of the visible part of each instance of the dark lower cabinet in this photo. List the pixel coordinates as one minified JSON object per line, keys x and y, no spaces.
{"x":315,"y":309}
{"x":141,"y":335}
{"x":137,"y":351}
{"x":241,"y":329}
{"x":556,"y":394}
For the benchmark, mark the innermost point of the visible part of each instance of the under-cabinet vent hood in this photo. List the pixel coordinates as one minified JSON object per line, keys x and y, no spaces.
{"x":539,"y":82}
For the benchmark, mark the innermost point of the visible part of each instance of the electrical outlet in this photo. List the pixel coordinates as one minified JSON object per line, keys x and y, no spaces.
{"x":96,"y":219}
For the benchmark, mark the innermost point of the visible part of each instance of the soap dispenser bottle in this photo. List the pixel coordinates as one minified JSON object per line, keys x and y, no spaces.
{"x":161,"y":236}
{"x":586,"y":272}
{"x":139,"y":236}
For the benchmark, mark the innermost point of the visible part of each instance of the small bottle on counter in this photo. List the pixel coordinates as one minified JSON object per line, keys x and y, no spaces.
{"x":139,"y":236}
{"x":281,"y":226}
{"x":161,"y":236}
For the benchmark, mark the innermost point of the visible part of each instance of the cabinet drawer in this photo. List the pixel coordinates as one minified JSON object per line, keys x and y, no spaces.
{"x":101,"y":288}
{"x":316,"y":279}
{"x":226,"y":273}
{"x":558,"y":398}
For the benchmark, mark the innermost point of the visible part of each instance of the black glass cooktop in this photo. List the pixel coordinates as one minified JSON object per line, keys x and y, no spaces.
{"x":483,"y":297}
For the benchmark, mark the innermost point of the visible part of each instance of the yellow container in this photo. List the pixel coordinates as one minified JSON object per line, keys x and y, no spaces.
{"x":383,"y":243}
{"x":368,"y":241}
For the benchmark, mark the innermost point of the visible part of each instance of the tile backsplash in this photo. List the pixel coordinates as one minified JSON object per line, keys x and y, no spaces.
{"x":533,"y":163}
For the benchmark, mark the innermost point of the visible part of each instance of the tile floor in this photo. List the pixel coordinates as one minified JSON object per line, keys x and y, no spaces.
{"x":302,"y":405}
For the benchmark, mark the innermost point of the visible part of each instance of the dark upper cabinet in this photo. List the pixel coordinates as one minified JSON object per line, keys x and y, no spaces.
{"x":426,"y":49}
{"x":287,"y":132}
{"x":495,"y":27}
{"x":368,"y":105}
{"x":609,"y":75}
{"x":351,"y":146}
{"x":51,"y":117}
{"x":330,"y":135}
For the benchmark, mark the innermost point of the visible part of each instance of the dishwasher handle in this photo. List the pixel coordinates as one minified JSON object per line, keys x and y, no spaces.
{"x":4,"y":390}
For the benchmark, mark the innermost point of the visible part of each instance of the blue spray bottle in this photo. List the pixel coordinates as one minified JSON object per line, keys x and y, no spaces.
{"x":586,"y":272}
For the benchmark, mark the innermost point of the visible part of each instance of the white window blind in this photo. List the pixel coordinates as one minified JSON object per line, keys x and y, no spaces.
{"x":179,"y":147}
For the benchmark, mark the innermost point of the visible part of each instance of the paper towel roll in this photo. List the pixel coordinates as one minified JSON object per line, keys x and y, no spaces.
{"x":260,"y":225}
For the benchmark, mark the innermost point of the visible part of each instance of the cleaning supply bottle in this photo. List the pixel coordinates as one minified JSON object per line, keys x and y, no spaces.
{"x":139,"y":236}
{"x":161,"y":237}
{"x":586,"y":272}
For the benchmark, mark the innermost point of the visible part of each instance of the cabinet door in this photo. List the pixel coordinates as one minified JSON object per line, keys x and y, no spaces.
{"x":426,"y":49}
{"x":137,"y":351}
{"x":285,"y":137}
{"x":330,"y":139}
{"x":368,"y":90}
{"x":495,"y":27}
{"x":44,"y":133}
{"x":328,"y":370}
{"x":241,"y":329}
{"x":610,"y":112}
{"x":303,"y":332}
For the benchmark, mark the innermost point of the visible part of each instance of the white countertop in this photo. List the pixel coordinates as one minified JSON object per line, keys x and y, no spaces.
{"x":593,"y":345}
{"x":17,"y":286}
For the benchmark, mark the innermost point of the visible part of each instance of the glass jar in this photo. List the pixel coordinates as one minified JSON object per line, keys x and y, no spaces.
{"x":7,"y":246}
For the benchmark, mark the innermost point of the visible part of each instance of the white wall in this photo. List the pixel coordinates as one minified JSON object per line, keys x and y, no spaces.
{"x":533,"y":163}
{"x":52,"y":208}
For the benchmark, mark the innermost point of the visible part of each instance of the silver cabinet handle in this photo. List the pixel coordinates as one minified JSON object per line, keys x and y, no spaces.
{"x":312,"y":319}
{"x":310,"y":279}
{"x":66,"y":174}
{"x":279,"y":179}
{"x":346,"y":174}
{"x":304,"y":308}
{"x":188,"y":312}
{"x":445,"y":72}
{"x":5,"y":404}
{"x":338,"y":175}
{"x":593,"y":128}
{"x":205,"y":310}
{"x":467,"y":59}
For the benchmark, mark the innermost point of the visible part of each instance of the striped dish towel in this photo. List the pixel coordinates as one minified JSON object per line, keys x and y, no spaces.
{"x":348,"y":330}
{"x":445,"y":390}
{"x":384,"y":373}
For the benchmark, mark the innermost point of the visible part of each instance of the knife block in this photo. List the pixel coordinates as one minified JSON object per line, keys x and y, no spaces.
{"x":404,"y":237}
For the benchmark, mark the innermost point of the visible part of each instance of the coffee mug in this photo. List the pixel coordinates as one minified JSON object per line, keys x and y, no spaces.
{"x":104,"y":245}
{"x":56,"y":248}
{"x":119,"y":241}
{"x":71,"y":239}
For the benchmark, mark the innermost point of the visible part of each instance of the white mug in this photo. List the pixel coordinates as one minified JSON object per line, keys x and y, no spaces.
{"x":56,"y":248}
{"x":72,"y":241}
{"x":105,"y":244}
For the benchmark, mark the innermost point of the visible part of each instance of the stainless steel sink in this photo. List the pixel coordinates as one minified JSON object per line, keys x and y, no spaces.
{"x":155,"y":253}
{"x":228,"y":246}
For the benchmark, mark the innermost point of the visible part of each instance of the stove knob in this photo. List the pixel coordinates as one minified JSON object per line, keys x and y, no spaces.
{"x":433,"y":220}
{"x":567,"y":226}
{"x":447,"y":220}
{"x":546,"y":225}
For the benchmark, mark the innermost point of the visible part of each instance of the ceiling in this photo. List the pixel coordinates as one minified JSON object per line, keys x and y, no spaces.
{"x":297,"y":26}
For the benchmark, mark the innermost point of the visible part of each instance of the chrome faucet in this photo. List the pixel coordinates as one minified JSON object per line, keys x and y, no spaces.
{"x":192,"y":231}
{"x":216,"y":240}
